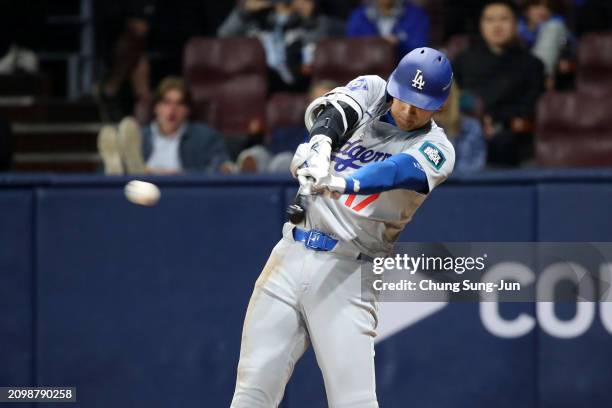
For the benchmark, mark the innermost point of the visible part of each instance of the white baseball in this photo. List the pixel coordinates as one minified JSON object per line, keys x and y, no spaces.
{"x":142,"y":193}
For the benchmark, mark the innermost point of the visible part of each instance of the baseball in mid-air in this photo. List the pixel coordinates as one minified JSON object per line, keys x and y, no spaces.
{"x":142,"y":193}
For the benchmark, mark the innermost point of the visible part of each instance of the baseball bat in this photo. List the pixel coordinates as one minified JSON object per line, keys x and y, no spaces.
{"x":296,"y":211}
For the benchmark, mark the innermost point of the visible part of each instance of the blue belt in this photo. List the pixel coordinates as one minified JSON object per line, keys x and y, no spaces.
{"x":313,"y":239}
{"x":320,"y":241}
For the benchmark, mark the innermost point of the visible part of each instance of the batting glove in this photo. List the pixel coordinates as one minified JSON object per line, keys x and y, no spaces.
{"x":299,"y":158}
{"x":320,"y":151}
{"x":329,"y":184}
{"x":314,"y":155}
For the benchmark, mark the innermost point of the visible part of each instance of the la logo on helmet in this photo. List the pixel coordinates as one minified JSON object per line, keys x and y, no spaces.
{"x":418,"y":81}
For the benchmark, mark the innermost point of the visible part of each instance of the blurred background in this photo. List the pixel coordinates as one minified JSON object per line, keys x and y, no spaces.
{"x":139,"y":306}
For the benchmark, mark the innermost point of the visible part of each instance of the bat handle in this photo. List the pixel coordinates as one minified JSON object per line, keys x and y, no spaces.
{"x":296,"y":212}
{"x":306,"y":187}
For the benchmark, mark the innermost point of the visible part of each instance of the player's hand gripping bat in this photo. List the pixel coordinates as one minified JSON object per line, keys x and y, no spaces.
{"x":336,"y":117}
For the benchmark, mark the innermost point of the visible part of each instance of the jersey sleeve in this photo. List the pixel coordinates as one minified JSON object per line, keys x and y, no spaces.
{"x":398,"y":171}
{"x":368,"y":91}
{"x":436,"y":158}
{"x":365,"y":94}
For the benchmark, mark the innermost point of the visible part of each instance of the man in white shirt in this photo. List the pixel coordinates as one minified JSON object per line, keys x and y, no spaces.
{"x":170,"y":144}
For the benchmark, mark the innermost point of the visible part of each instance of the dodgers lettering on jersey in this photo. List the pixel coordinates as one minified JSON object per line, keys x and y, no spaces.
{"x":373,"y":222}
{"x":354,"y":155}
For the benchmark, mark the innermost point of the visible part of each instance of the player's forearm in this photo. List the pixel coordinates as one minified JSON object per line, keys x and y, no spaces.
{"x":401,"y":171}
{"x":334,"y":122}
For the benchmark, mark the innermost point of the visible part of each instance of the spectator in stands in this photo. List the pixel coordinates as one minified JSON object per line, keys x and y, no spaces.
{"x":18,"y":60}
{"x":544,"y":32}
{"x":276,"y":156}
{"x":170,"y":144}
{"x":6,"y":146}
{"x":287,"y":30}
{"x":316,"y":26}
{"x":507,"y":79}
{"x":129,"y":62}
{"x":128,"y":31}
{"x":20,"y":24}
{"x":464,"y":132}
{"x":398,"y":21}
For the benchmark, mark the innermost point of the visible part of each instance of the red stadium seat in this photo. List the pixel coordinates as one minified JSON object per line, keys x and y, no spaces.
{"x":286,"y":109}
{"x":595,"y":63}
{"x":342,"y":59}
{"x":285,"y":121}
{"x":574,"y":130}
{"x":227,"y":78}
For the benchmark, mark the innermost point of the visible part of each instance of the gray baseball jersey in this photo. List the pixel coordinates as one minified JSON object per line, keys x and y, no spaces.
{"x":372,"y":223}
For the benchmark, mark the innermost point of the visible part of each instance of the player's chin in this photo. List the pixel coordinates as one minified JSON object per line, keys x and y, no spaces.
{"x":407,"y":124}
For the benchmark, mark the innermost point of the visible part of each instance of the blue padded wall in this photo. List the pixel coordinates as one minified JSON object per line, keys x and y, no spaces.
{"x":16,"y":287}
{"x":143,"y":307}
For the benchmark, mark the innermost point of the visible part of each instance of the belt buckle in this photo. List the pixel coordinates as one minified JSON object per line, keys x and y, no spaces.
{"x":314,"y":240}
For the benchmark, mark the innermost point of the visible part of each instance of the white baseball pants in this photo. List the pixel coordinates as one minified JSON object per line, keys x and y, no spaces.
{"x":304,"y":296}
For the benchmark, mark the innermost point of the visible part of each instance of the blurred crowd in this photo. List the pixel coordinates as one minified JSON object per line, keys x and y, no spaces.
{"x":171,"y":70}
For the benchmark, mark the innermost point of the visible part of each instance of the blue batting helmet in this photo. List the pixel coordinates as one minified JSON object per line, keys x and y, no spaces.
{"x":423,"y":79}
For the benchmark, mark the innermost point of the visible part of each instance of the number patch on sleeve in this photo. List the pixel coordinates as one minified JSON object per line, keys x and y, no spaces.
{"x":433,"y":154}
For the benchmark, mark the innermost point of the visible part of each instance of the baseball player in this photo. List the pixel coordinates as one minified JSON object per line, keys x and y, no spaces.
{"x":373,"y":156}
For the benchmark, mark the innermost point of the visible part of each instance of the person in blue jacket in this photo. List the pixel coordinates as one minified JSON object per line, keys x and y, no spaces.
{"x":400,"y":22}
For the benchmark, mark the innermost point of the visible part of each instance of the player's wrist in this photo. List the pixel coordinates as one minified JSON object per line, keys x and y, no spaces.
{"x":319,"y":137}
{"x":351,"y":185}
{"x":338,"y":184}
{"x":319,"y":154}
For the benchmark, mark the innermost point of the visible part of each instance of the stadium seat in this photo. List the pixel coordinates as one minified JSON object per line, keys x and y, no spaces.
{"x":342,"y":59}
{"x":595,"y":63}
{"x":227,"y":78}
{"x":286,"y":109}
{"x":285,"y":121}
{"x":574,"y":130}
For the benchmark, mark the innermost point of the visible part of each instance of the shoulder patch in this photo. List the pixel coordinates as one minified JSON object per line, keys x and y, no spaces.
{"x":433,"y":154}
{"x":358,"y":84}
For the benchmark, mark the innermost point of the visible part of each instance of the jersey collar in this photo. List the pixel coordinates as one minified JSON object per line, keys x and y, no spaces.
{"x":388,"y":118}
